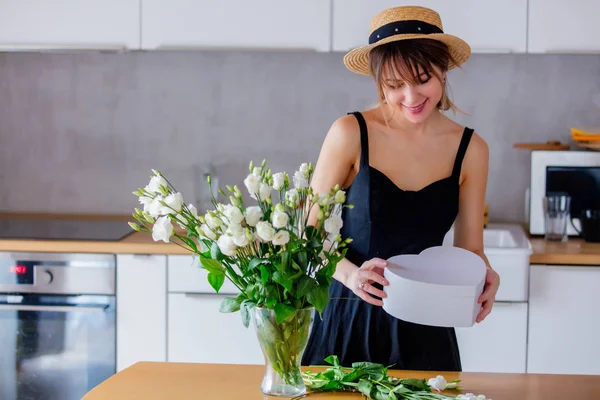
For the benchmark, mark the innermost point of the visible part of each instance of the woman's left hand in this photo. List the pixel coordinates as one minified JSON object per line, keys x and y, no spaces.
{"x":487,"y":298}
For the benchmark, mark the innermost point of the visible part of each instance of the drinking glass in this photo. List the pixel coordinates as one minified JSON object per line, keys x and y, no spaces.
{"x":557,"y":211}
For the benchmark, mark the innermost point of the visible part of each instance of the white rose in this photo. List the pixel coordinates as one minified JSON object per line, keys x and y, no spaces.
{"x":280,"y":219}
{"x":155,"y":183}
{"x":333,"y":224}
{"x":174,"y":203}
{"x":265,"y":231}
{"x":241,"y":239}
{"x":291,"y":198}
{"x":206,"y":232}
{"x":145,"y":200}
{"x":193,"y":210}
{"x":438,"y":383}
{"x":155,"y":208}
{"x":300,"y":181}
{"x":252,"y":183}
{"x":281,"y":238}
{"x":226,"y":245}
{"x":340,"y":197}
{"x":234,"y":229}
{"x":264,"y":191}
{"x":162,"y":229}
{"x":304,"y":169}
{"x":213,"y":221}
{"x":233,"y":214}
{"x":278,"y":181}
{"x":253,"y":215}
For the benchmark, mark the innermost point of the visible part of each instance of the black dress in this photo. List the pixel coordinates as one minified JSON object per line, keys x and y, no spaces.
{"x":387,"y":221}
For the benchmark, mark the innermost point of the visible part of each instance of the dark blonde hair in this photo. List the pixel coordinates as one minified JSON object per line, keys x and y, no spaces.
{"x":409,"y":60}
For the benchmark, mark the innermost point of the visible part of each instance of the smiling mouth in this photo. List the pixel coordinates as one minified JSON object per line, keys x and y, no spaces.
{"x":417,"y":109}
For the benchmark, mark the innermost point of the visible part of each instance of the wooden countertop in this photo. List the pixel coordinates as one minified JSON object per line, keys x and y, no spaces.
{"x":574,"y":252}
{"x":182,"y":381}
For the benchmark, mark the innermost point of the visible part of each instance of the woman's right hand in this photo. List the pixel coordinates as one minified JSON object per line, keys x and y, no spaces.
{"x":361,"y":279}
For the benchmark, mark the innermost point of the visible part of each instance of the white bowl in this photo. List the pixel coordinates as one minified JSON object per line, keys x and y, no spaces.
{"x":438,"y":287}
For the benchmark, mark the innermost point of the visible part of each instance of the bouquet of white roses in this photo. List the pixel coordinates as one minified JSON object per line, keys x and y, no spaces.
{"x":267,"y":250}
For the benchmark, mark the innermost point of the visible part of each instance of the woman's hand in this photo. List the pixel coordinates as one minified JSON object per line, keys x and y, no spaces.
{"x":487,"y":298}
{"x":360,"y":281}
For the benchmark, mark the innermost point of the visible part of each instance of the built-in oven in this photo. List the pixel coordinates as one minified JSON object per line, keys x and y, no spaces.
{"x":57,"y":324}
{"x":576,"y":173}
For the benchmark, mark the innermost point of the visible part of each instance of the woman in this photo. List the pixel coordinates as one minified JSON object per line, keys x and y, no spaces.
{"x":410,"y":173}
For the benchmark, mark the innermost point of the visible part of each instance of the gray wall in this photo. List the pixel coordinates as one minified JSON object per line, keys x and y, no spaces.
{"x":80,"y":132}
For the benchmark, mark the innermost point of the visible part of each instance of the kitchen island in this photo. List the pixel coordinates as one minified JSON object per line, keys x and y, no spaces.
{"x":191,"y":381}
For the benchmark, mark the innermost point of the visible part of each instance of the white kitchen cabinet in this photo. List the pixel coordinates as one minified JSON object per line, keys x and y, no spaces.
{"x":186,"y":276}
{"x":563,"y":320}
{"x":257,"y":24}
{"x":564,"y":26}
{"x":199,"y":332}
{"x":69,"y":24}
{"x":499,"y":343}
{"x":141,"y":309}
{"x":488,"y":26}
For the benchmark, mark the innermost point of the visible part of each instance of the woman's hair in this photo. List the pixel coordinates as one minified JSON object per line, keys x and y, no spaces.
{"x":408,"y":60}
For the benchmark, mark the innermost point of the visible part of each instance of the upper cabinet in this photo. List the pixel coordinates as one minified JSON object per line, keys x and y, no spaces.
{"x":256,"y":24}
{"x":564,"y":26}
{"x":69,"y":24}
{"x":488,"y":26}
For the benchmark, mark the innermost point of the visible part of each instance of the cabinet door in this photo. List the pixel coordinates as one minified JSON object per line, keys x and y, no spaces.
{"x":563,"y":320}
{"x":141,"y":309}
{"x":564,"y":26}
{"x":499,"y":343}
{"x":268,"y":24}
{"x":70,"y":24}
{"x":199,"y":332}
{"x":186,"y":276}
{"x":483,"y":24}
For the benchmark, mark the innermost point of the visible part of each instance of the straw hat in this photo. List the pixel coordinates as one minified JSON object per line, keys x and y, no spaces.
{"x":402,"y":23}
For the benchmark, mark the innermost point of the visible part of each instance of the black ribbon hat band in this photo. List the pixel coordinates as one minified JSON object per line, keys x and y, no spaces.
{"x":403,"y":27}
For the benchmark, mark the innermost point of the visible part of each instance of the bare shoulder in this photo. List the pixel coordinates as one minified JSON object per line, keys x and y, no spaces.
{"x":344,"y":136}
{"x":478,"y":150}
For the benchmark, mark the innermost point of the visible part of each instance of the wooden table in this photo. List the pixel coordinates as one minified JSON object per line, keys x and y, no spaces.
{"x":187,"y":381}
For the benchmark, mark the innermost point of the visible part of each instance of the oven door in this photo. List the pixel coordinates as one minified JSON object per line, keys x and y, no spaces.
{"x":55,"y":347}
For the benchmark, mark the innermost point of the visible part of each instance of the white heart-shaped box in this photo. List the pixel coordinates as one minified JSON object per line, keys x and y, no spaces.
{"x":438,"y":287}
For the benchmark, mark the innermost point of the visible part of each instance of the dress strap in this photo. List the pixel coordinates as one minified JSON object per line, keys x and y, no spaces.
{"x":364,"y":139}
{"x":462,"y":149}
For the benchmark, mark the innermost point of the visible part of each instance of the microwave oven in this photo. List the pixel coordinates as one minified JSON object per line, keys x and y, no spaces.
{"x":576,"y":173}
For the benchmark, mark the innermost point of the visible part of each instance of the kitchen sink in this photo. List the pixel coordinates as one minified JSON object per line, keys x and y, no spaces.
{"x":507,"y":248}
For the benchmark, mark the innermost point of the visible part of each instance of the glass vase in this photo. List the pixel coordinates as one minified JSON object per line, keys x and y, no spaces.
{"x":282,"y":345}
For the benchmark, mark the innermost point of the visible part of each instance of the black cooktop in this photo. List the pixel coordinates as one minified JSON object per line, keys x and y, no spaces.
{"x":63,"y":229}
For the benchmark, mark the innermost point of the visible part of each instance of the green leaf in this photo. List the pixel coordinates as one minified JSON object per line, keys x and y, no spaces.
{"x":245,"y":308}
{"x":229,"y":304}
{"x":311,"y":232}
{"x":256,"y":262}
{"x":285,"y":260}
{"x":318,"y":297}
{"x":333,"y":360}
{"x":216,"y":280}
{"x":365,"y":387}
{"x":303,"y":259}
{"x":283,"y":312}
{"x":264,"y":274}
{"x":215,"y":252}
{"x":287,"y":283}
{"x":212,"y":266}
{"x":305,"y":285}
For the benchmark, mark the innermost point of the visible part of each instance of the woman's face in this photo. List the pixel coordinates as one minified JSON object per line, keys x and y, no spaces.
{"x":415,"y":101}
